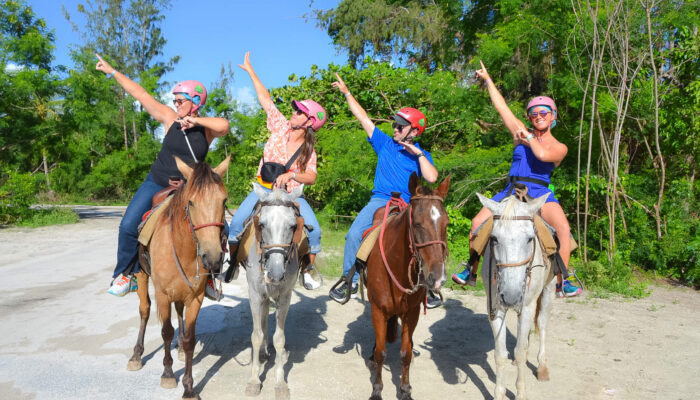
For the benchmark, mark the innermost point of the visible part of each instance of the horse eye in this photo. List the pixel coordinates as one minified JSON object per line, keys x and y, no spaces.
{"x":493,"y":239}
{"x":191,"y":203}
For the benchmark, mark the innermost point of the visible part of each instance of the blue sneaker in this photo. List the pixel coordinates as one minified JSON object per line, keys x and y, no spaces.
{"x":570,"y":290}
{"x":461,"y":278}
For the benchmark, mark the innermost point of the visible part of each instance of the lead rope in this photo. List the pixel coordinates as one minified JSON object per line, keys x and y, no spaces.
{"x":402,"y":205}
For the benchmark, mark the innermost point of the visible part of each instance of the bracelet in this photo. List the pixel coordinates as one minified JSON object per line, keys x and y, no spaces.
{"x":530,"y":136}
{"x":347,"y":94}
{"x":111,"y":74}
{"x":294,"y":175}
{"x":488,"y":80}
{"x":421,"y":154}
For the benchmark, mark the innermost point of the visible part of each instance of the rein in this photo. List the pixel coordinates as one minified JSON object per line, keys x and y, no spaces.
{"x":267,"y":249}
{"x":413,"y":244}
{"x":193,"y":230}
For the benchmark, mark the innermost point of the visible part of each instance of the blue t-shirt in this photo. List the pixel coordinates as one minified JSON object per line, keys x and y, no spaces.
{"x":394,"y":166}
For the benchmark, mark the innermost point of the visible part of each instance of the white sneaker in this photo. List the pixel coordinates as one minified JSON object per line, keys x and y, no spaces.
{"x":210,"y":292}
{"x":310,"y":283}
{"x":123,"y":285}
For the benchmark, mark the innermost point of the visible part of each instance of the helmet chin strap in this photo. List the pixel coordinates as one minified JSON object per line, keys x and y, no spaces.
{"x":406,"y":135}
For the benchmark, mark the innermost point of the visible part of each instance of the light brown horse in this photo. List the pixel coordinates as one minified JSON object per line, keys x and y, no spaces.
{"x":184,"y":249}
{"x":410,"y":259}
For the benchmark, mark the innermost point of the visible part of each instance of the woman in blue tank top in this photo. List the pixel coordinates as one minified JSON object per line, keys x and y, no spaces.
{"x":188,"y":136}
{"x":536,"y":152}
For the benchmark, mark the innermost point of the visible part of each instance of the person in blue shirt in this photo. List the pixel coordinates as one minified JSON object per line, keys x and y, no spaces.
{"x":397,"y":157}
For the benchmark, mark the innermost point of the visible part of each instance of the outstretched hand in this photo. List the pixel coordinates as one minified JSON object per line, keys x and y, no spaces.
{"x":103,"y":65}
{"x":246,"y":63}
{"x":482,"y":73}
{"x":340,"y":85}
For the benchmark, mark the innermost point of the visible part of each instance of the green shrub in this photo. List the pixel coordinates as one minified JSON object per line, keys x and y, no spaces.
{"x":17,"y":193}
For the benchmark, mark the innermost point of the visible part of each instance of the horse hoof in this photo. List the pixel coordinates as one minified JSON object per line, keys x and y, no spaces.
{"x":168,"y":383}
{"x":542,"y":374}
{"x":375,"y":397}
{"x":134,"y":365}
{"x":281,"y":392}
{"x":191,"y":397}
{"x":253,"y":389}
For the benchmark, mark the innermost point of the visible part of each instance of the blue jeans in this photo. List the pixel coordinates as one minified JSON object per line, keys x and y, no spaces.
{"x":362,"y":222}
{"x":128,"y":243}
{"x":245,"y":210}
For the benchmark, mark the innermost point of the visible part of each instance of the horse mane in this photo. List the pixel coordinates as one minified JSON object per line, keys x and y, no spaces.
{"x":203,"y":177}
{"x":508,"y":214}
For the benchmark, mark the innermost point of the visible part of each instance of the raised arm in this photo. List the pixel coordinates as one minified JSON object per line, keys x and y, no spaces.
{"x":263,"y":95}
{"x":355,"y":107}
{"x":513,"y":124}
{"x":160,"y":112}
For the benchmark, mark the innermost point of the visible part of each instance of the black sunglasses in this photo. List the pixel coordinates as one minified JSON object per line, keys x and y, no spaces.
{"x":397,"y":125}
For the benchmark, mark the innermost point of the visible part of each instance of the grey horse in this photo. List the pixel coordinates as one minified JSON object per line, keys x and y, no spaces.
{"x":524,"y":282}
{"x":272,"y":268}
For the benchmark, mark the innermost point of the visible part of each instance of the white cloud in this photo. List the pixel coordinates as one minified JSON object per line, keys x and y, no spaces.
{"x":12,"y":67}
{"x":246,"y":98}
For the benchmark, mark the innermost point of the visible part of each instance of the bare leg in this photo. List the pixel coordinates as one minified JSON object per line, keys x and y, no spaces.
{"x":379,"y":321}
{"x":167,"y":380}
{"x":188,"y":342}
{"x":135,"y":362}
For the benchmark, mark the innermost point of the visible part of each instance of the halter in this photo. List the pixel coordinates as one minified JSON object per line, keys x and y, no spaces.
{"x":266,"y":250}
{"x":413,"y":244}
{"x":193,"y":230}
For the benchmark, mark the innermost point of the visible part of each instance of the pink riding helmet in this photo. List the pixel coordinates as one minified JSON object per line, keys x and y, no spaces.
{"x":194,"y":91}
{"x":547,"y":102}
{"x":312,"y":110}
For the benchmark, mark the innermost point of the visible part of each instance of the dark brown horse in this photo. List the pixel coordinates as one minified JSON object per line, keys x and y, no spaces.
{"x":184,"y":249}
{"x":408,"y":260}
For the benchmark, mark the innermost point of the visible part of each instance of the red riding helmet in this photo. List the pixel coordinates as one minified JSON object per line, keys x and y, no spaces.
{"x":413,"y":117}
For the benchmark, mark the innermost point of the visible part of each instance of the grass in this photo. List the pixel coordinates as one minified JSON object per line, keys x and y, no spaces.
{"x":50,"y":216}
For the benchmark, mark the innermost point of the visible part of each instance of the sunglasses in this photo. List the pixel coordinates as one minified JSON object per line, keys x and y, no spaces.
{"x":398,"y":126}
{"x":542,"y":113}
{"x":178,"y":102}
{"x":299,"y":112}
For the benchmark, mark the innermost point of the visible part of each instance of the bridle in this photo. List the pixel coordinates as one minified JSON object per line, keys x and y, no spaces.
{"x":416,"y":259}
{"x":193,"y":231}
{"x":265,"y":250}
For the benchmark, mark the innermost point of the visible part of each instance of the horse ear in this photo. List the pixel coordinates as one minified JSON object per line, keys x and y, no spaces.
{"x":296,"y":192}
{"x":258,"y":230}
{"x":534,"y":205}
{"x":413,"y":183}
{"x":223,"y":167}
{"x":184,"y":168}
{"x":443,"y":186}
{"x":488,"y":203}
{"x":259,"y":191}
{"x":297,"y":233}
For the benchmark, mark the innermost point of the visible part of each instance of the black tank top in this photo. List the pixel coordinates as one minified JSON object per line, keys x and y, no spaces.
{"x":174,"y":144}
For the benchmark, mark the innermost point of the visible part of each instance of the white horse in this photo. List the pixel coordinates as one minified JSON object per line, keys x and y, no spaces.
{"x":523,"y":277}
{"x":272,"y":269}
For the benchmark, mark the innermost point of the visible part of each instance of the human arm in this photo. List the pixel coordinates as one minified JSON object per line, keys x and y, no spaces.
{"x":552,"y":151}
{"x":427,"y":169}
{"x":263,"y":95}
{"x":355,"y":107}
{"x":306,"y":177}
{"x":160,"y":112}
{"x":513,"y":124}
{"x":213,"y":126}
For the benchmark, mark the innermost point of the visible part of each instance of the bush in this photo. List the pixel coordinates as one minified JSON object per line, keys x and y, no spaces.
{"x":17,"y":193}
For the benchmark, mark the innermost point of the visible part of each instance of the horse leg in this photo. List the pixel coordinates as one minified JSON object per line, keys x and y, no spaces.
{"x":179,"y":308}
{"x":546,"y":301}
{"x":408,"y":325}
{"x":264,"y":353}
{"x":188,"y":342}
{"x":498,"y":326}
{"x":380,"y":326}
{"x":135,"y":362}
{"x":167,"y":380}
{"x":281,"y":388}
{"x":259,"y":311}
{"x":527,"y":315}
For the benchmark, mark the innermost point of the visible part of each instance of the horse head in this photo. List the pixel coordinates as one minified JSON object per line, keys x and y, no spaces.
{"x":512,"y":244}
{"x":429,"y":230}
{"x":278,"y":230}
{"x":203,"y":199}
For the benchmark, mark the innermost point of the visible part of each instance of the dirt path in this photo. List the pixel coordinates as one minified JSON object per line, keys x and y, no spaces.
{"x":63,"y":337}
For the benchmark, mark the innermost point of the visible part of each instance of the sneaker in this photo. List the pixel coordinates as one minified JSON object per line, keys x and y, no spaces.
{"x":309,"y":282}
{"x":123,"y":285}
{"x":339,"y":293}
{"x":570,"y":290}
{"x":211,"y":292}
{"x":461,"y":278}
{"x":433,"y":300}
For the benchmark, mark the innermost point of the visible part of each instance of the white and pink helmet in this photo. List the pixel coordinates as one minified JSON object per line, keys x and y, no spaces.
{"x":547,"y":102}
{"x":193,"y":91}
{"x":312,"y":110}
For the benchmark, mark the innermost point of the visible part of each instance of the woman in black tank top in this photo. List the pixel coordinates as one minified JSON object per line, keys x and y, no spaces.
{"x":188,"y":136}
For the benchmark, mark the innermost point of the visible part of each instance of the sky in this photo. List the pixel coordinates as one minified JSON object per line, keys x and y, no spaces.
{"x":209,"y":33}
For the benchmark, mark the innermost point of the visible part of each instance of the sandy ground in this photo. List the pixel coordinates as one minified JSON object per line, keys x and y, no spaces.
{"x":62,"y":336}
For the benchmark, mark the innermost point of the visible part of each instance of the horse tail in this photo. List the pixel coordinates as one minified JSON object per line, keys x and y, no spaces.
{"x":392,"y":329}
{"x":537,"y":312}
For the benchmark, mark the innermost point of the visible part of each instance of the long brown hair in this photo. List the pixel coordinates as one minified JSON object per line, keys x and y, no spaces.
{"x":306,"y":148}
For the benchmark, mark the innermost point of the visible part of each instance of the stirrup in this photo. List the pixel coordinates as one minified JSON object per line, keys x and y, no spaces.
{"x":308,"y":269}
{"x":231,"y":272}
{"x":347,"y":280}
